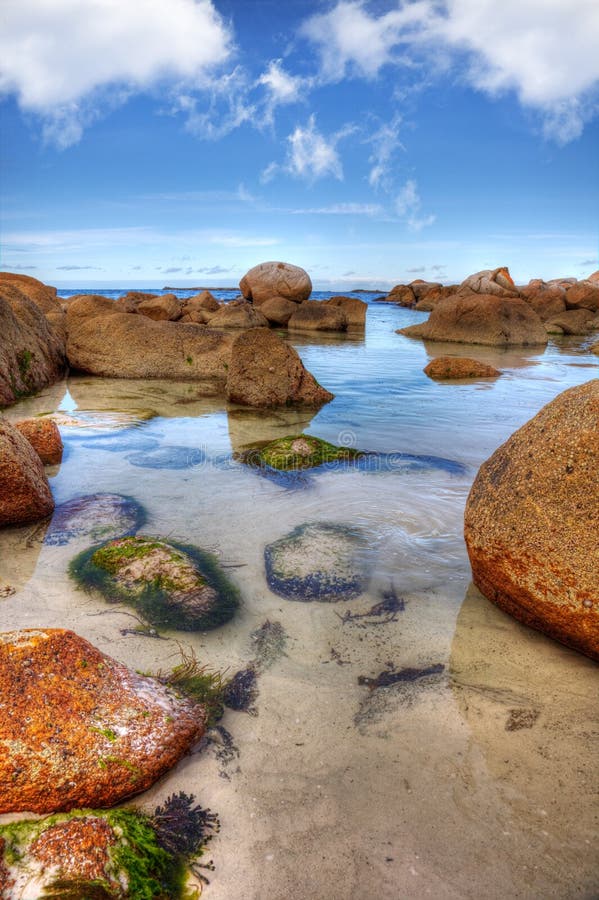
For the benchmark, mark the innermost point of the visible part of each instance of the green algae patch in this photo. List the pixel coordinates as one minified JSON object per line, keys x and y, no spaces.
{"x":300,"y":451}
{"x":170,"y":585}
{"x":115,"y":854}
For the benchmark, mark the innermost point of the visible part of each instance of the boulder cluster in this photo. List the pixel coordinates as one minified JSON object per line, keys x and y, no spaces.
{"x":489,"y":308}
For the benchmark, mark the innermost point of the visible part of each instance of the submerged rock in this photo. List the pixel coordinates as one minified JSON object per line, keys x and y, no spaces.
{"x":167,"y":458}
{"x":25,"y":494}
{"x":318,"y":561}
{"x":447,"y":367}
{"x":44,"y":437}
{"x":170,"y":585}
{"x":302,"y":451}
{"x":532,"y":521}
{"x":80,"y":729}
{"x":95,"y":517}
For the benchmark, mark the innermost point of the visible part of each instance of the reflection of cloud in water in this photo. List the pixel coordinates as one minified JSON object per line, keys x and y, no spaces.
{"x":531,"y":706}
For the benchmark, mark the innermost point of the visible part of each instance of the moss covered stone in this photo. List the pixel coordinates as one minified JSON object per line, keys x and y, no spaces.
{"x":116,"y":854}
{"x":170,"y":585}
{"x":300,"y":451}
{"x":318,"y":561}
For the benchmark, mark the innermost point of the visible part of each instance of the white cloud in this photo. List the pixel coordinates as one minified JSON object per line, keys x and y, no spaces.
{"x":349,"y":38}
{"x":282,"y":87}
{"x":66,"y":58}
{"x":385,"y":142}
{"x":408,"y":204}
{"x":543,"y":50}
{"x":343,"y":209}
{"x":311,"y":155}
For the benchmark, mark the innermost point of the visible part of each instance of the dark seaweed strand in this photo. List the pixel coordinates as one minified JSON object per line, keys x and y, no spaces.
{"x":153,"y":603}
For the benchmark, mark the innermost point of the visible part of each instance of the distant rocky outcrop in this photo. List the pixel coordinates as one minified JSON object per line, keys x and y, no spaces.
{"x":481,"y":319}
{"x":32,"y":348}
{"x":454,"y":367}
{"x":267,"y":372}
{"x":275,"y":279}
{"x":25,"y":494}
{"x":83,"y":730}
{"x":532,"y":521}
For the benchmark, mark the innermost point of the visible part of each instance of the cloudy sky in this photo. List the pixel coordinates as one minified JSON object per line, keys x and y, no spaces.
{"x":183,"y":141}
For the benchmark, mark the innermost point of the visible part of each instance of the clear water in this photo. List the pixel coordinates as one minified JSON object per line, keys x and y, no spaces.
{"x":477,"y":780}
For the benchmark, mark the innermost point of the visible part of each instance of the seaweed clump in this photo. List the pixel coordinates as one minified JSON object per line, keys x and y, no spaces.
{"x":170,"y":585}
{"x":299,"y":451}
{"x":147,"y":857}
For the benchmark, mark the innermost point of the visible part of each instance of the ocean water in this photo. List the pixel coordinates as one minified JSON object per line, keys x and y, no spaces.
{"x":473,"y":777}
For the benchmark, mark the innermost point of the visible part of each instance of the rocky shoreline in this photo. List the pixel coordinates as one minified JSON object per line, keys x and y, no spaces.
{"x":530,"y":520}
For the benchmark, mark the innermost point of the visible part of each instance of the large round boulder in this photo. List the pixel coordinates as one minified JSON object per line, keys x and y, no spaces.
{"x":267,"y":372}
{"x":277,"y":310}
{"x":103,"y":340}
{"x":276,"y":279}
{"x":80,"y":729}
{"x":584,"y":295}
{"x":481,"y":319}
{"x":25,"y":494}
{"x":31,"y":349}
{"x":532,"y":520}
{"x":44,"y":437}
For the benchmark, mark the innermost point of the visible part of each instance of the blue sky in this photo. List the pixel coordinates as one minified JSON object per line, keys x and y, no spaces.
{"x":180,"y":142}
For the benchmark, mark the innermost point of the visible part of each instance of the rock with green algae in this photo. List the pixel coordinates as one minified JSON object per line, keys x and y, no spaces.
{"x":171,"y":585}
{"x":114,"y":855}
{"x":321,"y":561}
{"x":300,"y":451}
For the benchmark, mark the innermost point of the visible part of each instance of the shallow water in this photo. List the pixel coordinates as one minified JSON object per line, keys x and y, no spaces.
{"x":473,"y":777}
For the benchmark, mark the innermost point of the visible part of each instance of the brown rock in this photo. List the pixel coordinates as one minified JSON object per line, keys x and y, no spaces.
{"x":199,"y":316}
{"x":277,"y":310}
{"x":166,"y":308}
{"x":584,"y":295}
{"x":77,"y":848}
{"x":44,"y":437}
{"x":422,"y":288}
{"x":481,"y":319}
{"x":314,"y":315}
{"x":594,"y":278}
{"x":276,"y":279}
{"x":266,"y":372}
{"x":25,"y":494}
{"x":446,"y":367}
{"x":31,"y":349}
{"x":202,"y":301}
{"x":44,"y":297}
{"x":497,"y":282}
{"x":595,"y":348}
{"x":532,"y":521}
{"x":238,"y":314}
{"x":546,"y":300}
{"x":403,"y":295}
{"x":575,"y":321}
{"x":104,"y":341}
{"x":130,"y":301}
{"x":430,"y":299}
{"x":354,"y":309}
{"x":96,"y":730}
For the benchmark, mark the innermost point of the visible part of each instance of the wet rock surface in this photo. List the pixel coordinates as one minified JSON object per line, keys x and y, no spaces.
{"x":323,"y":561}
{"x":25,"y":494}
{"x":97,"y":731}
{"x":170,"y":585}
{"x":532,"y":520}
{"x":44,"y":437}
{"x":455,"y":367}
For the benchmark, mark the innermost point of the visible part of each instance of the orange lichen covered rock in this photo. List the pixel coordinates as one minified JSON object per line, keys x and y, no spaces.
{"x":446,"y":367}
{"x":532,"y":520}
{"x":80,"y":729}
{"x":44,"y":437}
{"x":25,"y":494}
{"x":77,"y":848}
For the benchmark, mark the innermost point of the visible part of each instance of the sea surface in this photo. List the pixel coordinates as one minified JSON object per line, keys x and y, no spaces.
{"x":474,"y":775}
